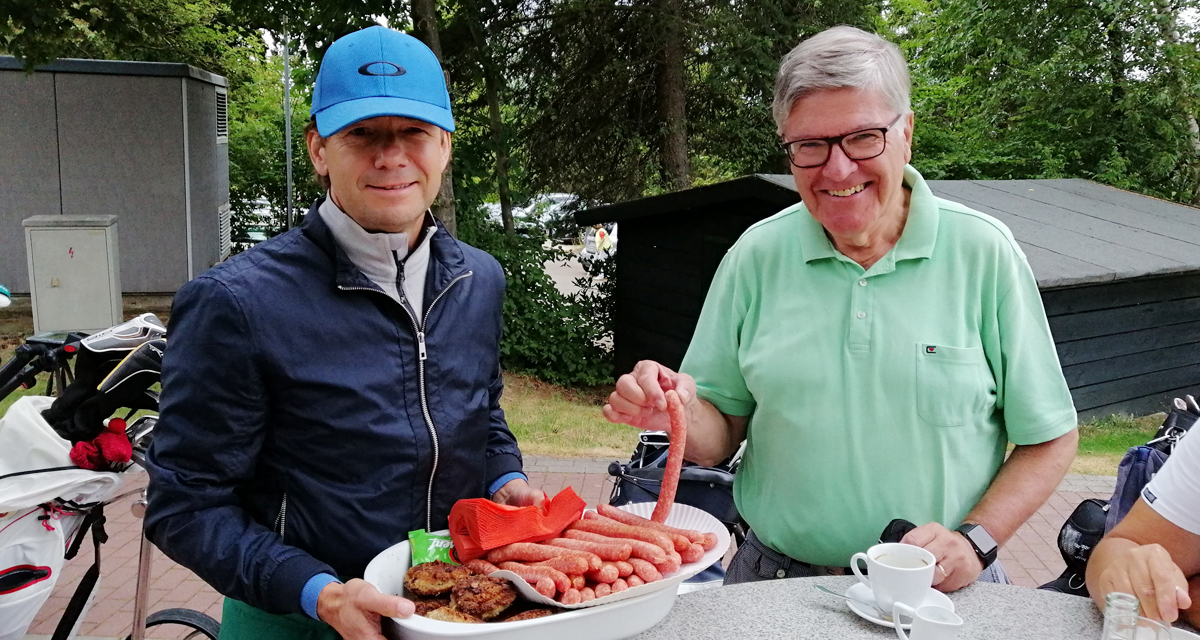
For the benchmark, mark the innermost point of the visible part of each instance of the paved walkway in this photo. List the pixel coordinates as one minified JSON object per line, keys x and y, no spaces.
{"x":1031,"y":557}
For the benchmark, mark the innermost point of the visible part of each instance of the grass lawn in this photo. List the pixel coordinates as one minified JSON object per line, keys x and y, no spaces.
{"x":555,"y":421}
{"x":1103,"y":442}
{"x":564,"y":423}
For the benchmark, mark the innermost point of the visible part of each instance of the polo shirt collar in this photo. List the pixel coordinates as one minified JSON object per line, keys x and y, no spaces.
{"x":920,"y":231}
{"x":916,"y":241}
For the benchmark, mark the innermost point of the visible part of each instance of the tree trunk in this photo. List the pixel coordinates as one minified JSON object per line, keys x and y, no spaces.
{"x":672,"y":97}
{"x":1116,"y":59}
{"x":491,"y":81}
{"x":424,"y":19}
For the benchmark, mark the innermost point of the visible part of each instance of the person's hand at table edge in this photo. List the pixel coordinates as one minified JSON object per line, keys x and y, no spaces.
{"x":1150,"y":557}
{"x":355,"y":609}
{"x":957,"y":563}
{"x":1148,"y":572}
{"x":518,"y":493}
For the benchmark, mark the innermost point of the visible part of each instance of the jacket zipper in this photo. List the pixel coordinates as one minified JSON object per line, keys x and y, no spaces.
{"x":419,"y":328}
{"x":281,"y":519}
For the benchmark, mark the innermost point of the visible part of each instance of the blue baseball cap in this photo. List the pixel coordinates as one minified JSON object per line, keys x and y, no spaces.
{"x":379,"y":72}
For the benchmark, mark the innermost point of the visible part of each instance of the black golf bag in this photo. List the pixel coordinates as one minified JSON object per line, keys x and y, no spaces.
{"x":707,"y":488}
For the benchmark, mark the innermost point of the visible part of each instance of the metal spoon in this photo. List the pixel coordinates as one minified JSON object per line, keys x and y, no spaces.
{"x":879,"y":612}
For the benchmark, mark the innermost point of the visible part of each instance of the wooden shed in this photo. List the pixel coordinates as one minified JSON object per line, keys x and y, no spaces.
{"x":1119,"y":275}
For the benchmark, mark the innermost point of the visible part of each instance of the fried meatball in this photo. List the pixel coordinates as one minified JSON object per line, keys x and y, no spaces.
{"x":482,"y":596}
{"x":529,"y":614}
{"x":425,"y":605}
{"x":432,"y":579}
{"x":450,"y":614}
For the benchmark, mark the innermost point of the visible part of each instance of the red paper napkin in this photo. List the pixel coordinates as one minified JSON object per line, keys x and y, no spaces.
{"x":479,"y":525}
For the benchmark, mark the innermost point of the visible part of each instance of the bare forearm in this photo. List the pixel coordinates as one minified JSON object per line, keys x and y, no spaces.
{"x":1023,"y":484}
{"x":712,"y":436}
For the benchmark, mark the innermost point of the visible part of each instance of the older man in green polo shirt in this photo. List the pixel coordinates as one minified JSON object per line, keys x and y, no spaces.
{"x":876,"y":346}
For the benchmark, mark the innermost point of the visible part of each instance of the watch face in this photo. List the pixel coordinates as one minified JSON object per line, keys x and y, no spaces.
{"x":981,"y":538}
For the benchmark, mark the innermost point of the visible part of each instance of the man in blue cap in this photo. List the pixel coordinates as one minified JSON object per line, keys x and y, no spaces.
{"x":337,"y":386}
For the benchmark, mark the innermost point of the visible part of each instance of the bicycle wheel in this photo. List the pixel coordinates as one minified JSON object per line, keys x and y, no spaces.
{"x":191,"y":625}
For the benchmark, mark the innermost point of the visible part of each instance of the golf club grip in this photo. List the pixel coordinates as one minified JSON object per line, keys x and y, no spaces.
{"x":12,"y":371}
{"x":15,"y":382}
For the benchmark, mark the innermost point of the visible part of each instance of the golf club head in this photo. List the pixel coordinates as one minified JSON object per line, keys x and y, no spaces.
{"x":141,"y":434}
{"x":138,"y":371}
{"x":126,"y":336}
{"x":5,"y":297}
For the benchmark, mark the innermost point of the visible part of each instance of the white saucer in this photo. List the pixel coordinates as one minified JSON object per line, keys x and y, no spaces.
{"x":860,"y":591}
{"x":1180,"y":634}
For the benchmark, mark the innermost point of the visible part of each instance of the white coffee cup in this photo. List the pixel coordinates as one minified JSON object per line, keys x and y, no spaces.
{"x":897,"y":572}
{"x":929,"y":623}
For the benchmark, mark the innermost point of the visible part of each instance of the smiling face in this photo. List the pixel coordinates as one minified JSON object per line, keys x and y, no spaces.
{"x":861,"y":204}
{"x":384,"y":172}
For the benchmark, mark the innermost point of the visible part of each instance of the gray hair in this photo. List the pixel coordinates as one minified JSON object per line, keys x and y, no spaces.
{"x":841,"y":58}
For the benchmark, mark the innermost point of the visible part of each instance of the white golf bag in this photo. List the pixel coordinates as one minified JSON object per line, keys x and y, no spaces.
{"x":44,"y":499}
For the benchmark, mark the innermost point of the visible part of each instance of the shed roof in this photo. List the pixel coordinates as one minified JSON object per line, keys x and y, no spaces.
{"x":118,"y":68}
{"x":1073,"y":231}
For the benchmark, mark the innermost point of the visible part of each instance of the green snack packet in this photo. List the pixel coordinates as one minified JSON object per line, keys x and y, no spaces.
{"x":427,"y":547}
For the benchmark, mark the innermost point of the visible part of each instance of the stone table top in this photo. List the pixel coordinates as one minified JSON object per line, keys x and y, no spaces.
{"x":794,"y":609}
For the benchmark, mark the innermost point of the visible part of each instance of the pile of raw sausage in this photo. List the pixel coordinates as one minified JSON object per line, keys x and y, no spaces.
{"x":606,"y":552}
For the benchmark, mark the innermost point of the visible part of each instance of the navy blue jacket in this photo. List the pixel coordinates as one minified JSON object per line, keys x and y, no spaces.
{"x":307,"y":422}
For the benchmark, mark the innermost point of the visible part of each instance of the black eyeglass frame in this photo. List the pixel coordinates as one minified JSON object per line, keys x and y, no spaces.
{"x":787,"y":146}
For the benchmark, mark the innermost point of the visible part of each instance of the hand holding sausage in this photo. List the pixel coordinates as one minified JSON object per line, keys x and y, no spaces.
{"x":639,"y":398}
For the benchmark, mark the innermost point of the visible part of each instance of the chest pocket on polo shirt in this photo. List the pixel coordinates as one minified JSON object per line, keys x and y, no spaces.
{"x":953,"y":384}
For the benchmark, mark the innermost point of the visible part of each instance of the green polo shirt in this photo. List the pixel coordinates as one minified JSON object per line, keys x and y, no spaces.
{"x":878,"y":394}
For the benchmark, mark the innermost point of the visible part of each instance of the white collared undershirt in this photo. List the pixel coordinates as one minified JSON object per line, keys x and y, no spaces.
{"x":376,"y":255}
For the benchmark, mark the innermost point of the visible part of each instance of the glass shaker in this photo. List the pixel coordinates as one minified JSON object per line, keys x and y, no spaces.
{"x":1120,"y":616}
{"x":1122,"y":622}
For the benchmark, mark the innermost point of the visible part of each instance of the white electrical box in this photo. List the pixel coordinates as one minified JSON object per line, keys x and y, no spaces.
{"x":74,"y":272}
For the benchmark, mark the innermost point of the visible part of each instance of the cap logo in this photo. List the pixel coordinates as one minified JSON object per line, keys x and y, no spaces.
{"x":388,"y":69}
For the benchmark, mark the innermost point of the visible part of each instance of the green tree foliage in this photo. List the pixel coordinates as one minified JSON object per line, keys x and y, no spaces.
{"x":558,"y":338}
{"x":583,"y":78}
{"x":738,"y":48}
{"x":257,"y":153}
{"x":1051,"y":88}
{"x":203,"y":33}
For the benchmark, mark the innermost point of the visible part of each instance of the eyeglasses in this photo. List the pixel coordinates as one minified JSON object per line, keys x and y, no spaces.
{"x":858,"y":145}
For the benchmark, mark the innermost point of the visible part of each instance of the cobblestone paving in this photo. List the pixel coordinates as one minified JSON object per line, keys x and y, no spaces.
{"x":1031,"y":557}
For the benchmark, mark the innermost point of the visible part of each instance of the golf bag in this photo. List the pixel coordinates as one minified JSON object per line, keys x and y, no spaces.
{"x":1093,"y":518}
{"x":707,"y":488}
{"x":47,"y":503}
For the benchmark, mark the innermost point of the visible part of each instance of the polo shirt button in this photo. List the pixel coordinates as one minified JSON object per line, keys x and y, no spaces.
{"x":862,"y":314}
{"x":862,"y":283}
{"x":780,"y":574}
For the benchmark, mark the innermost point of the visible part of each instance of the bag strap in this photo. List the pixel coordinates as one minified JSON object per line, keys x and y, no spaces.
{"x":75,"y":608}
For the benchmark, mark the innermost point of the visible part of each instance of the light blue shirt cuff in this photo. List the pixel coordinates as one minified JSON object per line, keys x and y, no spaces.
{"x":505,"y":479}
{"x":312,"y":590}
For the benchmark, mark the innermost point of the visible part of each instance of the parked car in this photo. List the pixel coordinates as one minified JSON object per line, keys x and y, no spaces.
{"x":258,"y":225}
{"x":555,"y":213}
{"x":551,"y":214}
